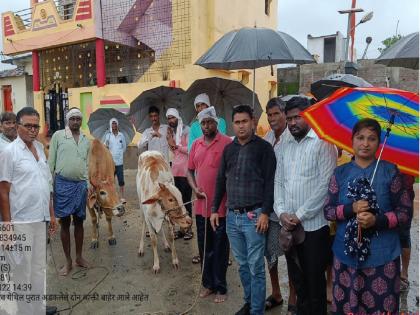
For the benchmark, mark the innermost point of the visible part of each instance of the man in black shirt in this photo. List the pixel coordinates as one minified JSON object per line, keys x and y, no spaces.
{"x":246,"y":175}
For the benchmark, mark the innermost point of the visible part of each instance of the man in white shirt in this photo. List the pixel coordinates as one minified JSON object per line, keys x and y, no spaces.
{"x":304,"y":167}
{"x":8,"y":129}
{"x":154,"y":138}
{"x":114,"y":140}
{"x":25,"y":200}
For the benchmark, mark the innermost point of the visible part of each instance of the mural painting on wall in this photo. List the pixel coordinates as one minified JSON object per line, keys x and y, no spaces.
{"x":116,"y":102}
{"x":43,"y":20}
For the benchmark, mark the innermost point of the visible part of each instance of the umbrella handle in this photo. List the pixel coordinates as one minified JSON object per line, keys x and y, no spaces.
{"x":388,"y":131}
{"x":359,"y":234}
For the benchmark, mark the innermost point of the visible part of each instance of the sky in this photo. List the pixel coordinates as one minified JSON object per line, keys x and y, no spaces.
{"x":299,"y":18}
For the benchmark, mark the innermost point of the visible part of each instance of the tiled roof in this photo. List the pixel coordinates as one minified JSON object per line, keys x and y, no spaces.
{"x":17,"y":72}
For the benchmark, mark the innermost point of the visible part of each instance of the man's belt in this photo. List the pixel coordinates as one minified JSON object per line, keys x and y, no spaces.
{"x":246,"y":209}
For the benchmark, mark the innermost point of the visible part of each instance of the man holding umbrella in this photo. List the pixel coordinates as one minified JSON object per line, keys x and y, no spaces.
{"x":202,"y":101}
{"x":115,"y":142}
{"x":68,"y":161}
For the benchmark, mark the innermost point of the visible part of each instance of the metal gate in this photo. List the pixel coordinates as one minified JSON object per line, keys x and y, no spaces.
{"x":56,"y":105}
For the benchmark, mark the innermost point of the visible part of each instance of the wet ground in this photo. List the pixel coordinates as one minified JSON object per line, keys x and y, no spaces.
{"x":121,"y":282}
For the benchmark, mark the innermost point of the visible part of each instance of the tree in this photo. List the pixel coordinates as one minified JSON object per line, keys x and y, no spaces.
{"x":389,"y":41}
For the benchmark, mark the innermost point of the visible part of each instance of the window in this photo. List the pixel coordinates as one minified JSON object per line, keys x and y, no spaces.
{"x":267,"y":7}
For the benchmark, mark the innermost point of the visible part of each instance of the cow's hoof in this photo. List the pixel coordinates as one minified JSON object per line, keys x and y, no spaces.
{"x":156,"y":269}
{"x":175,"y":264}
{"x":167,"y":249}
{"x":112,"y":241}
{"x":94,"y":244}
{"x":141,"y":253}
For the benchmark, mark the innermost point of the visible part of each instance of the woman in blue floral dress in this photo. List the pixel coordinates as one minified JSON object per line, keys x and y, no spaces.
{"x":366,"y":279}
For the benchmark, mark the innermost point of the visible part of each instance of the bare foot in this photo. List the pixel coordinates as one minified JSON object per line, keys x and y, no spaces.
{"x":65,"y":270}
{"x":220,"y":298}
{"x":205,"y":292}
{"x":329,"y":295}
{"x":81,"y":262}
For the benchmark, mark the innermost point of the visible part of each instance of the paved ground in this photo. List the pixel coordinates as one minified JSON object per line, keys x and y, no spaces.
{"x":169,"y":292}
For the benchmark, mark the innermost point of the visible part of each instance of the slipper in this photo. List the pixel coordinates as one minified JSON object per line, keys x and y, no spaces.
{"x":188,"y":236}
{"x":196,"y":260}
{"x":178,"y":234}
{"x":291,"y":309}
{"x":404,"y":284}
{"x":271,"y":302}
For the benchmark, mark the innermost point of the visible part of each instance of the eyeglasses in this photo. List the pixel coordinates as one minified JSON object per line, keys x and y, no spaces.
{"x":31,"y":127}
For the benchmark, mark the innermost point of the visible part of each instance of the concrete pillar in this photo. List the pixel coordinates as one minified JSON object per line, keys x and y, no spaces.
{"x":35,"y":69}
{"x":100,"y":63}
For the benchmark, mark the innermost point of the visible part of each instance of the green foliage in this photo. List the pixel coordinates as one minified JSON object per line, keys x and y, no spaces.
{"x":389,"y":42}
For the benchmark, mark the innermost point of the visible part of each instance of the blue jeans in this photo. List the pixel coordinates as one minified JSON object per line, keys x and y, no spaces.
{"x":248,"y":249}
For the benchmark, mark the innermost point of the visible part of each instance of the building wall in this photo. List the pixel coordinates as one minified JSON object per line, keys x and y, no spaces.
{"x":209,"y":21}
{"x":19,"y":92}
{"x":316,"y":48}
{"x":376,"y":74}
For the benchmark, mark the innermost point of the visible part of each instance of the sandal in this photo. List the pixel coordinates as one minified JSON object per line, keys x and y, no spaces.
{"x":196,"y":260}
{"x":188,"y":235}
{"x":404,"y":284}
{"x":291,"y":309}
{"x":178,"y":234}
{"x":271,"y":302}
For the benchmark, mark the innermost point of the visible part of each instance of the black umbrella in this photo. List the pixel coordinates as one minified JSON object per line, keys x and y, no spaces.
{"x":404,"y":53}
{"x":224,"y":95}
{"x":162,"y":97}
{"x":99,"y":123}
{"x":325,"y":87}
{"x":254,"y":47}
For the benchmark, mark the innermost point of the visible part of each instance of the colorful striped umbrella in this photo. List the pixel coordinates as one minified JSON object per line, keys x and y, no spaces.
{"x":396,"y":110}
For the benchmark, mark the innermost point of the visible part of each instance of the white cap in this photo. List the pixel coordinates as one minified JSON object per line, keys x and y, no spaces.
{"x":202,"y":98}
{"x":208,"y":113}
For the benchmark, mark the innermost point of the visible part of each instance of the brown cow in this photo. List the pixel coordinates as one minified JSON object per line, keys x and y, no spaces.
{"x":103,"y":197}
{"x":161,"y":202}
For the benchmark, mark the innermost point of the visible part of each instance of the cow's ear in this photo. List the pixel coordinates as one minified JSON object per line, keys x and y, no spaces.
{"x":91,"y":200}
{"x":151,"y":200}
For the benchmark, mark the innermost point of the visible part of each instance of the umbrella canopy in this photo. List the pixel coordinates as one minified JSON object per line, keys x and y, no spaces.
{"x":99,"y":123}
{"x":326,"y":86}
{"x":254,"y":47}
{"x":162,"y":97}
{"x":333,"y":119}
{"x":224,"y":95}
{"x":288,"y":97}
{"x":404,"y":53}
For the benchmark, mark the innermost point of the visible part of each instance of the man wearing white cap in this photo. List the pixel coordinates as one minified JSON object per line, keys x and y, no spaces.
{"x":203,"y":165}
{"x":177,"y":137}
{"x":202,"y":101}
{"x":68,"y":161}
{"x":115,"y":141}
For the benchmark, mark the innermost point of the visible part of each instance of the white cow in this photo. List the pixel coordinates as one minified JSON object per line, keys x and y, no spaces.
{"x":161,"y":202}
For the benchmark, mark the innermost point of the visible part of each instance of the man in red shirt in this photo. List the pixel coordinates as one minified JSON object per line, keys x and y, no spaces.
{"x":203,"y":165}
